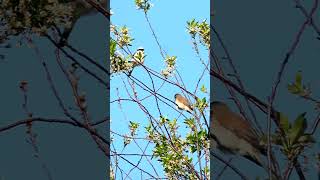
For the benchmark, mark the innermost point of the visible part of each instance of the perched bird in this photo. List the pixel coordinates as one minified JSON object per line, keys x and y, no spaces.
{"x":137,"y":59}
{"x":233,"y":134}
{"x":183,"y":103}
{"x":80,"y":8}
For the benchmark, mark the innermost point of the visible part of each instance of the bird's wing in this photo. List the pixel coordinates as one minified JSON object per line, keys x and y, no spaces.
{"x":241,"y":128}
{"x":186,"y":103}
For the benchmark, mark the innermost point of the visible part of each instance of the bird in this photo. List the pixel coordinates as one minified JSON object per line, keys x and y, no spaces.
{"x":80,"y":8}
{"x":138,"y":56}
{"x":137,"y":59}
{"x":231,"y":133}
{"x":183,"y":103}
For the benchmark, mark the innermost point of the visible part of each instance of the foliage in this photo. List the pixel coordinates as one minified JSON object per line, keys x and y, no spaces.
{"x":202,"y":29}
{"x":201,"y":104}
{"x":36,"y":16}
{"x":293,"y":139}
{"x":119,"y":62}
{"x":170,"y":66}
{"x":173,"y":151}
{"x":144,"y":5}
{"x":133,"y":126}
{"x":297,"y":87}
{"x":203,"y":89}
{"x":123,"y":38}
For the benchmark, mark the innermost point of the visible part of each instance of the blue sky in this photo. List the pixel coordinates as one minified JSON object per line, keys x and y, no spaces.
{"x":168,"y":19}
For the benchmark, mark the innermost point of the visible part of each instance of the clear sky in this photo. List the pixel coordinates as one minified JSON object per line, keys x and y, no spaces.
{"x":168,"y":19}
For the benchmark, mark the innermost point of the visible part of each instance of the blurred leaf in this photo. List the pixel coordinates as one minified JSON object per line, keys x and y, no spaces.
{"x":292,"y":88}
{"x":284,"y":122}
{"x":203,"y":89}
{"x":298,"y":81}
{"x":113,"y":45}
{"x":193,"y":149}
{"x":276,"y":139}
{"x":296,"y":87}
{"x":298,"y":128}
{"x":190,"y":122}
{"x":173,"y":123}
{"x":301,"y":120}
{"x":306,"y":138}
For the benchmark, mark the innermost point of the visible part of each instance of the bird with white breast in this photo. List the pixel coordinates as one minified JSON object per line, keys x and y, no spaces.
{"x":233,"y":134}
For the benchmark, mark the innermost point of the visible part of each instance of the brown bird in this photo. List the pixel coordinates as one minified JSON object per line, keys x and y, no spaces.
{"x":183,"y":103}
{"x":233,"y":134}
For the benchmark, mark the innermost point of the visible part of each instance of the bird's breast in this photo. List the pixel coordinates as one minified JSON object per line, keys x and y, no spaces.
{"x":181,"y":105}
{"x":230,"y":141}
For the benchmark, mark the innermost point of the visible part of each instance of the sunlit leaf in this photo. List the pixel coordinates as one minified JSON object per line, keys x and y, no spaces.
{"x":203,"y":89}
{"x":113,"y":45}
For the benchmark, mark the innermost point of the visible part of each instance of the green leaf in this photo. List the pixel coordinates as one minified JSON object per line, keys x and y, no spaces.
{"x":284,"y":122}
{"x":296,"y":87}
{"x":302,"y":120}
{"x":204,"y":100}
{"x":190,"y":122}
{"x":193,"y":149}
{"x":133,"y":125}
{"x":298,"y":79}
{"x":292,"y":88}
{"x":113,"y":45}
{"x":203,"y":89}
{"x":298,"y":128}
{"x":306,"y":138}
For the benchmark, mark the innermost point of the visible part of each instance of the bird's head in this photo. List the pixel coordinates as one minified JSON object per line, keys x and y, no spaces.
{"x":140,"y":49}
{"x":219,"y":107}
{"x":176,"y":95}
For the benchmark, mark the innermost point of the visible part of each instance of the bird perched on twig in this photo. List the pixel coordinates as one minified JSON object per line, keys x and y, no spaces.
{"x":137,"y":59}
{"x":183,"y":103}
{"x":233,"y":134}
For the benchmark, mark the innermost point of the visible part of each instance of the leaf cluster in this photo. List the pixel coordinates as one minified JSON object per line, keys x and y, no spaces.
{"x":202,"y":29}
{"x":33,"y":16}
{"x":293,"y":138}
{"x":170,"y":66}
{"x":297,"y":87}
